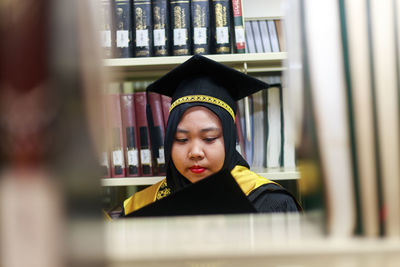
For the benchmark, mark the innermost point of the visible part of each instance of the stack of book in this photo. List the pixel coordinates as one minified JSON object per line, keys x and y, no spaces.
{"x":264,"y":36}
{"x":145,"y":28}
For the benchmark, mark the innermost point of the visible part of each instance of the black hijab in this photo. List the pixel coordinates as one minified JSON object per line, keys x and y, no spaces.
{"x":177,"y":181}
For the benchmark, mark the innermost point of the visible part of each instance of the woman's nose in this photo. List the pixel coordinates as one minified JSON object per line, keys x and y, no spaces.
{"x":196,"y":151}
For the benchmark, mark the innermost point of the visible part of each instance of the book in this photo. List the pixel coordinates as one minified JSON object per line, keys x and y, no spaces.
{"x":104,"y":155}
{"x":166,"y":104}
{"x":221,"y":23}
{"x":157,"y":133}
{"x":145,"y":155}
{"x":259,"y":132}
{"x":257,"y":36}
{"x":274,"y":126}
{"x":123,"y":31}
{"x":250,"y":43}
{"x":273,"y":35}
{"x":180,"y":27}
{"x":106,"y":30}
{"x":161,"y":26}
{"x":142,"y":28}
{"x":131,"y":144}
{"x":114,"y":125}
{"x":280,"y":33}
{"x":200,"y":21}
{"x":362,"y":105}
{"x":385,"y":88}
{"x":224,"y":196}
{"x":238,"y":23}
{"x":330,"y":114}
{"x":265,"y":36}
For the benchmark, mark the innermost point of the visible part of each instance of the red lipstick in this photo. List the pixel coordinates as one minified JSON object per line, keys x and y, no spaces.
{"x":197,"y":169}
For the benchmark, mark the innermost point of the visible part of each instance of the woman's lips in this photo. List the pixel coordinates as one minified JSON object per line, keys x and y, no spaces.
{"x":197,"y":169}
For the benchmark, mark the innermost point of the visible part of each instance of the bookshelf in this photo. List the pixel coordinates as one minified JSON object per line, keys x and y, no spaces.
{"x":143,"y":68}
{"x":274,"y":174}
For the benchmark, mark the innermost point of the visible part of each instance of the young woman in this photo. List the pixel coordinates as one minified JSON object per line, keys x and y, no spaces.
{"x":200,"y":137}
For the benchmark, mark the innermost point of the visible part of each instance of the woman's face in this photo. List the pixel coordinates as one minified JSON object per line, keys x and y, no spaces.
{"x":198,"y":148}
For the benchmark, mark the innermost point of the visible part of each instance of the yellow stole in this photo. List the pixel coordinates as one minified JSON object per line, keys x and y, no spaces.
{"x":247,"y":180}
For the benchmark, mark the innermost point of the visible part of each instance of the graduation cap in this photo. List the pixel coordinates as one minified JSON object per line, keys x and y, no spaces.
{"x":201,"y":79}
{"x":216,"y":194}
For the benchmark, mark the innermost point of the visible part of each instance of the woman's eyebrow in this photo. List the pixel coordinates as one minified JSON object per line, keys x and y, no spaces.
{"x":208,"y":129}
{"x":180,"y":130}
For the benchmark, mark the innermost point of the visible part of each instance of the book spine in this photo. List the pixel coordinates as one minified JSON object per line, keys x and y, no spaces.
{"x":115,"y":128}
{"x":201,"y":26}
{"x":104,"y":156}
{"x":145,"y":160}
{"x":161,"y":25}
{"x":142,"y":27}
{"x":221,"y":26}
{"x":273,"y":36}
{"x":238,"y":23}
{"x":122,"y":26}
{"x":159,"y":132}
{"x":130,"y":135}
{"x":180,"y":20}
{"x":250,"y":43}
{"x":106,"y":36}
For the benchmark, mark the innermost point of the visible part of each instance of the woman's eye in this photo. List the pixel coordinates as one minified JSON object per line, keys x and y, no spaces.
{"x":181,"y":140}
{"x":210,"y":139}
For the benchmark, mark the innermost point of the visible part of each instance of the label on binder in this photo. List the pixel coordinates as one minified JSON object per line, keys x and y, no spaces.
{"x":133,"y":157}
{"x":104,"y":159}
{"x":161,"y":158}
{"x":180,"y":36}
{"x":105,"y":37}
{"x":159,"y":37}
{"x":239,"y":36}
{"x":145,"y":156}
{"x":117,"y":157}
{"x":222,"y":35}
{"x":122,"y":38}
{"x":200,"y":35}
{"x":142,"y":38}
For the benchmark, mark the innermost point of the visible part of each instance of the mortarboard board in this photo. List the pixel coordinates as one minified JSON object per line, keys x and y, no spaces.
{"x":216,"y":194}
{"x":201,"y":79}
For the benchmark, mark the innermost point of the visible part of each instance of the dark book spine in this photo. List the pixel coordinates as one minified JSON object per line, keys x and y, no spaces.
{"x":145,"y":158}
{"x":142,"y":28}
{"x":130,"y":135}
{"x":122,"y":28}
{"x":201,"y":26}
{"x":107,"y":37}
{"x":181,"y":31}
{"x":161,"y":25}
{"x":238,"y":23}
{"x":221,"y":26}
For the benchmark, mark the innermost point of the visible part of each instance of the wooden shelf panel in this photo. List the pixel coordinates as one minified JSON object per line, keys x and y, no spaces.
{"x":275,"y":175}
{"x":151,"y":67}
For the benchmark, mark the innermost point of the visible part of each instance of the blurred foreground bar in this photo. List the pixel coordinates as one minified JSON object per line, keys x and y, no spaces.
{"x":240,"y":240}
{"x":49,"y":215}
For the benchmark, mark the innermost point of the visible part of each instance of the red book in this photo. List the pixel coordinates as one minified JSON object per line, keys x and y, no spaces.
{"x":131,"y":151}
{"x":145,"y":159}
{"x":166,"y":104}
{"x":104,"y":157}
{"x":238,"y":26}
{"x":115,"y":135}
{"x":159,"y":132}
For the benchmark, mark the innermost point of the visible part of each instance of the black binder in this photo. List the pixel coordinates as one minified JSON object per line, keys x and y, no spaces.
{"x":216,"y":194}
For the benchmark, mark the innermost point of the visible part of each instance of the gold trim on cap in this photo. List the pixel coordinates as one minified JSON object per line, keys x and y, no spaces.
{"x":203,"y":98}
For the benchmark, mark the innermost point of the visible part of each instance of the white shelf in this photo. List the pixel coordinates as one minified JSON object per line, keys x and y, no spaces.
{"x":275,"y":175}
{"x":131,"y":181}
{"x":151,"y":67}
